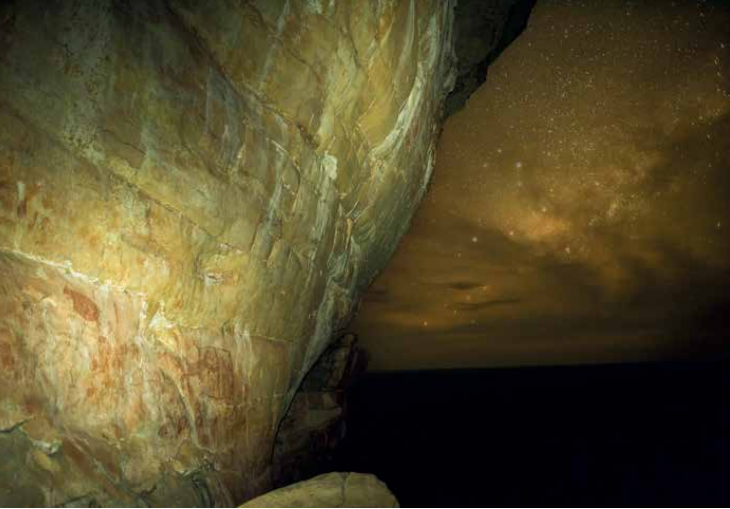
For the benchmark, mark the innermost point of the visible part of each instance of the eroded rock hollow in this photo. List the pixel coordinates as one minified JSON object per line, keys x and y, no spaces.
{"x":192,"y":195}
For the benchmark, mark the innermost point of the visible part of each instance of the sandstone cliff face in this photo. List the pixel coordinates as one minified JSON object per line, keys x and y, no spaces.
{"x":191,"y":196}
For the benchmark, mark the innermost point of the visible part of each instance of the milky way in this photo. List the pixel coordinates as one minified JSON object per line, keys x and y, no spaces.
{"x":580,"y":203}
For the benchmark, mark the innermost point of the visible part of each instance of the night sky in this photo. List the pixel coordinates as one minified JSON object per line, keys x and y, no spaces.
{"x":580,"y":204}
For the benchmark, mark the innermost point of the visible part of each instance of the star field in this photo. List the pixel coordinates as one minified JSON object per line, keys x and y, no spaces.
{"x":579,"y":202}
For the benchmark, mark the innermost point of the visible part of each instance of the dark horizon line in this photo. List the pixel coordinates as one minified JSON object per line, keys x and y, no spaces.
{"x":666,"y":362}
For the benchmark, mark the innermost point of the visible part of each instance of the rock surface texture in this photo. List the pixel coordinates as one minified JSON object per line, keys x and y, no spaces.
{"x":337,"y":489}
{"x":315,"y":423}
{"x":192,"y":195}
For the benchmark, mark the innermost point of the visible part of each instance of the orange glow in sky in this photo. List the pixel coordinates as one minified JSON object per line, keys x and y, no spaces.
{"x":579,"y":205}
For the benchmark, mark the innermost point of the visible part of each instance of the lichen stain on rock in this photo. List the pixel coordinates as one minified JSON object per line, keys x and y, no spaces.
{"x":83,"y":305}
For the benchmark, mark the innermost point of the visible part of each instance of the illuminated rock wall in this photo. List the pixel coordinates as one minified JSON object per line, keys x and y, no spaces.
{"x":192,"y":194}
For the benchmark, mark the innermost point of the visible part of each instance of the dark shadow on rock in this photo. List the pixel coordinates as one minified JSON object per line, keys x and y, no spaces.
{"x":483,"y":30}
{"x":314,"y":425}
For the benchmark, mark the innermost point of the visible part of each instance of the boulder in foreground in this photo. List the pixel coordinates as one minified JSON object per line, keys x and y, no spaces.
{"x":336,"y":489}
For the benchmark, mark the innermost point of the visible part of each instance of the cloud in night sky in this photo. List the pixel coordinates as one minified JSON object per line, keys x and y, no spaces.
{"x":478,"y":306}
{"x":580,"y":203}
